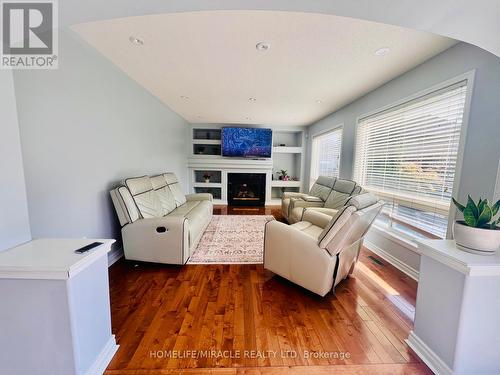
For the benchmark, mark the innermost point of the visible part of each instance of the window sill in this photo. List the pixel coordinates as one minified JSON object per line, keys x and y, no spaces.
{"x":397,"y":238}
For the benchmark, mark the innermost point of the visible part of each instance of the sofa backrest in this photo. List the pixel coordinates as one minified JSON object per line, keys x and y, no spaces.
{"x":341,"y":192}
{"x":145,"y":197}
{"x":322,"y":187}
{"x":175,"y":188}
{"x":164,"y":193}
{"x":147,"y":201}
{"x":351,"y":223}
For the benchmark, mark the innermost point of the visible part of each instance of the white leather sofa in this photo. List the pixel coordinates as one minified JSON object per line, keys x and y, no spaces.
{"x":320,"y":251}
{"x":159,"y":223}
{"x":327,"y":192}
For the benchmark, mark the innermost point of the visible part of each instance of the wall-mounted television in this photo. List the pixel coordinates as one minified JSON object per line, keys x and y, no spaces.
{"x":247,"y":142}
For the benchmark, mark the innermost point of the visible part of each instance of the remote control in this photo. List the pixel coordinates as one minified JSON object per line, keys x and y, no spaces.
{"x":88,"y":247}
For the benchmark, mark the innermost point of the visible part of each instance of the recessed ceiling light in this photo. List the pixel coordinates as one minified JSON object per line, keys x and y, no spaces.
{"x":136,"y":41}
{"x":382,"y":51}
{"x":262,"y":46}
{"x":319,"y":101}
{"x":247,"y":118}
{"x":252,"y":99}
{"x":184,"y":97}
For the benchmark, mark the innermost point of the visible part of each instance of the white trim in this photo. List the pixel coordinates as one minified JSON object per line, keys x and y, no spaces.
{"x":104,"y":358}
{"x":496,"y":193}
{"x":469,"y":77}
{"x":403,"y":267}
{"x":426,"y":354}
{"x":398,"y":237}
{"x":115,"y":255}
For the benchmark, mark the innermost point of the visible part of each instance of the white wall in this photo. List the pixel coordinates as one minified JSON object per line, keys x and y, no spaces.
{"x":482,"y":150}
{"x":14,"y":221}
{"x":85,"y":127}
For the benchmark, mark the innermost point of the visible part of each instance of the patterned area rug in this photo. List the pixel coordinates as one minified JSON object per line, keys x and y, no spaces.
{"x":232,"y":239}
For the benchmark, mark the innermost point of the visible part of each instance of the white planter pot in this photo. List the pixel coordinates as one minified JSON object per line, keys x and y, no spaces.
{"x":476,"y":240}
{"x":207,"y":180}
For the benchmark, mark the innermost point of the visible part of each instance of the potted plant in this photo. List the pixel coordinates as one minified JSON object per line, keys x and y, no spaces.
{"x":207,"y":176}
{"x":283,"y":175}
{"x":478,"y":232}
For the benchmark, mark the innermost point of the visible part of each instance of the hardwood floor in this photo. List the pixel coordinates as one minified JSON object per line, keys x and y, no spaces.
{"x":242,"y":319}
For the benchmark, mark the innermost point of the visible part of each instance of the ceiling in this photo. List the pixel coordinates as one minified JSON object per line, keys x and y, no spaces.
{"x":205,"y":65}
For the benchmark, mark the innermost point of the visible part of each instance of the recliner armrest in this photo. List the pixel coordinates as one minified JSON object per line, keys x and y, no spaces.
{"x":199,"y":197}
{"x":292,"y":194}
{"x":166,"y":238}
{"x":312,"y":198}
{"x":315,"y":217}
{"x":294,"y":203}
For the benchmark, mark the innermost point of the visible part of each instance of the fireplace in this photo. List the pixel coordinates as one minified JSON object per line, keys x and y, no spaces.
{"x":246,"y":189}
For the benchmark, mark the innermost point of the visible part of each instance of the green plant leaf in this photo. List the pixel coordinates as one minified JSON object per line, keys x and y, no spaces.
{"x":495,"y":207}
{"x":459,"y":206}
{"x":484,"y":217}
{"x":472,"y":207}
{"x":481,"y":205}
{"x":469,"y":217}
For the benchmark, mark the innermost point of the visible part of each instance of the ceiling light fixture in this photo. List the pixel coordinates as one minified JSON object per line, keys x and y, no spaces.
{"x":262,"y":46}
{"x":247,"y":118}
{"x":319,"y":101}
{"x":136,"y":41}
{"x":184,"y":97}
{"x":252,"y":99}
{"x":382,"y":51}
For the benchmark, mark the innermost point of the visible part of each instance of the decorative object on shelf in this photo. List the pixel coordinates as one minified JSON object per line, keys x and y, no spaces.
{"x":283,"y":175}
{"x":207,"y":177}
{"x":282,"y":145}
{"x":479,"y":232}
{"x":200,"y":150}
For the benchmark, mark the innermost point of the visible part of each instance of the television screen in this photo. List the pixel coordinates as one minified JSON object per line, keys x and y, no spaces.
{"x":247,"y":142}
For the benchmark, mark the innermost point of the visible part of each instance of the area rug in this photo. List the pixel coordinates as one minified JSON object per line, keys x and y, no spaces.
{"x":232,"y":239}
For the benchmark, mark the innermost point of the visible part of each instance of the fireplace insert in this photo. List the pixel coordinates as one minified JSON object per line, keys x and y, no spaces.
{"x":246,"y":189}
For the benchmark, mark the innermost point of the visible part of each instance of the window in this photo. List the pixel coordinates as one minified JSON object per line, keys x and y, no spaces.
{"x":325,"y":156}
{"x":407,"y":155}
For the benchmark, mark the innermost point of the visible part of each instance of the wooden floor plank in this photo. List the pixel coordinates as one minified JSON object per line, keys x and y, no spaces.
{"x":243,"y":319}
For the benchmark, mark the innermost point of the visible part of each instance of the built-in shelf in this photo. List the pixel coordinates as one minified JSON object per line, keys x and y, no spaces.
{"x":207,"y":184}
{"x":207,"y":141}
{"x":205,"y":158}
{"x":281,"y":183}
{"x":287,"y":150}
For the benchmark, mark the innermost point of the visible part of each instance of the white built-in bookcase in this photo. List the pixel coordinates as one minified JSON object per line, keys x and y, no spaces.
{"x":205,"y":157}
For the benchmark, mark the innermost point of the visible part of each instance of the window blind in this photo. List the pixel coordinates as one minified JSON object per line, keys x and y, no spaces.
{"x":325,"y":156}
{"x":408,"y":154}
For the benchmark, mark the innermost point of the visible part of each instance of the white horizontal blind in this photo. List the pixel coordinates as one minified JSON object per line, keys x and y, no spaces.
{"x":408,"y":155}
{"x":325,"y":160}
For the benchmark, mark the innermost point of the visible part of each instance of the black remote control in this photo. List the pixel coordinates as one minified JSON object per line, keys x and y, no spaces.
{"x":88,"y":247}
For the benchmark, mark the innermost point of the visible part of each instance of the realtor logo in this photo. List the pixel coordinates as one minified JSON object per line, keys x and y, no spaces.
{"x":29,"y":35}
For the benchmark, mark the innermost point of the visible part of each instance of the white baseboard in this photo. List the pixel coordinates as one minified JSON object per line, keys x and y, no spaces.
{"x":105,"y":356}
{"x":403,"y":267}
{"x":114,"y":255}
{"x":427,"y":355}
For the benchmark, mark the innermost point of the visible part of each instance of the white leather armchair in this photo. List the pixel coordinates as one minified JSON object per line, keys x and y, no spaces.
{"x":327,"y":193}
{"x":159,"y":223}
{"x":320,"y":251}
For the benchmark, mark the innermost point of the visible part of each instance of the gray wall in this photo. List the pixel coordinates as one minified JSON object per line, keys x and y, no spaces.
{"x":482,"y":150}
{"x":14,"y":221}
{"x":84,"y":127}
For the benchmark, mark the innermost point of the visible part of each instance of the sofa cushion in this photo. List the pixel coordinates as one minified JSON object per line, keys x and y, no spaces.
{"x":308,"y":228}
{"x":145,"y":198}
{"x":322,"y":187}
{"x":164,"y":193}
{"x":185,"y":208}
{"x":175,"y":188}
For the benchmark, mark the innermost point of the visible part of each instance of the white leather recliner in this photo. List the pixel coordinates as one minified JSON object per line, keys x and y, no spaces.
{"x":320,"y":251}
{"x":327,"y":193}
{"x":159,"y":223}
